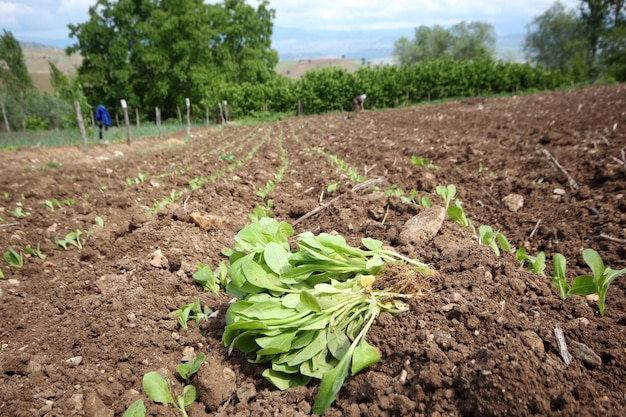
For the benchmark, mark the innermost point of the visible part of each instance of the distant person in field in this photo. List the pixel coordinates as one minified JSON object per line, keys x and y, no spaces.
{"x":358,"y":102}
{"x":103,"y":118}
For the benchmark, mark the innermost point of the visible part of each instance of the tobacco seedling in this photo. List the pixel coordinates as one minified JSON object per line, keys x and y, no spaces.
{"x":332,"y":187}
{"x":72,"y":238}
{"x":1,"y":274}
{"x":259,"y":212}
{"x":447,"y":193}
{"x":136,"y":409}
{"x":493,"y":239}
{"x":188,"y":369}
{"x":457,"y":214}
{"x":192,"y":311}
{"x":559,"y":279}
{"x":536,"y":264}
{"x":422,"y":162}
{"x":50,"y":204}
{"x":210,"y":280}
{"x":599,"y":282}
{"x":14,"y":258}
{"x":99,"y":221}
{"x":35,"y":252}
{"x":157,"y":389}
{"x":306,"y":312}
{"x":18,"y":212}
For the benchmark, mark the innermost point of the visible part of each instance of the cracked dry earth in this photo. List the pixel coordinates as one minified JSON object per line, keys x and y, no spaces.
{"x":80,"y":328}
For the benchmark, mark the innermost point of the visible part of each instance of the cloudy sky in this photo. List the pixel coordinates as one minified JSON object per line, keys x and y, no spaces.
{"x":46,"y":21}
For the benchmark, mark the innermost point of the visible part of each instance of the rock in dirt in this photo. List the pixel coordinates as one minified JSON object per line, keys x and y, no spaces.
{"x":533,"y":341}
{"x":94,"y":407}
{"x":215,"y":383}
{"x":585,"y":354}
{"x":513,"y":202}
{"x":424,"y":226}
{"x":208,"y":221}
{"x":159,"y":260}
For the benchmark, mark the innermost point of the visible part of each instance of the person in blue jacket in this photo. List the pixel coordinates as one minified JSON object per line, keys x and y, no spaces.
{"x":103,"y":118}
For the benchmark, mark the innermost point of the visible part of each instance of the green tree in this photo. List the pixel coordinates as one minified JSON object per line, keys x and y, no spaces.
{"x":13,"y":71}
{"x":472,"y":41}
{"x":428,"y":44}
{"x":463,"y":41}
{"x":555,"y":40}
{"x":613,"y":41}
{"x":159,"y":52}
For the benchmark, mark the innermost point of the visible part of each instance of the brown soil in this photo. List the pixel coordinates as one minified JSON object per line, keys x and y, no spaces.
{"x":479,"y":343}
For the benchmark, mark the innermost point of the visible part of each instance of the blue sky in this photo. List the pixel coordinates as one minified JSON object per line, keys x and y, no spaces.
{"x":319,"y":21}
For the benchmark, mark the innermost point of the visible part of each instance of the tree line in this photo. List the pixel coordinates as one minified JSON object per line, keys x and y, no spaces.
{"x":160,"y":53}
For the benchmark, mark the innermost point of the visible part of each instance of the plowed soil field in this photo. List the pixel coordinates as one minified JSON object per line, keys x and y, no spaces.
{"x":80,"y":328}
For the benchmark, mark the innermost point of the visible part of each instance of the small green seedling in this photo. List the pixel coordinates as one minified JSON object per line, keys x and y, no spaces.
{"x":207,"y":279}
{"x":536,"y":264}
{"x":72,"y":238}
{"x":142,"y":177}
{"x":99,"y":221}
{"x":559,"y":278}
{"x":14,"y":258}
{"x":35,"y":252}
{"x":1,"y":274}
{"x":260,"y":212}
{"x":192,"y":311}
{"x":51,"y":204}
{"x":422,"y":162}
{"x":493,"y":239}
{"x":187,"y":370}
{"x":18,"y":212}
{"x":457,"y":214}
{"x":447,"y":193}
{"x":599,"y":282}
{"x":6,"y":195}
{"x":332,"y":187}
{"x":136,"y":409}
{"x":157,"y":390}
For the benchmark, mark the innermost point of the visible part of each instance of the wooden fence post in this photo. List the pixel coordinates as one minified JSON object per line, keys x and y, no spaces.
{"x":180,"y":117}
{"x":125,"y":109}
{"x":158,"y":122}
{"x":206,"y":108}
{"x":188,"y":120}
{"x":137,"y":117}
{"x":81,"y":125}
{"x":4,"y":115}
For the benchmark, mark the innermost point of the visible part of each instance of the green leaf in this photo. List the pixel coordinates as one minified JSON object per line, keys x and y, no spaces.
{"x":364,"y":355}
{"x":136,"y":409}
{"x":283,"y":381}
{"x":504,"y":242}
{"x":559,"y":278}
{"x":188,"y":397}
{"x":310,"y":301}
{"x":583,"y":285}
{"x":372,"y":244}
{"x":338,"y":342}
{"x":99,"y":221}
{"x":593,"y":259}
{"x":156,"y":388}
{"x":272,"y":345}
{"x":276,"y":258}
{"x":187,"y":370}
{"x":330,"y":385}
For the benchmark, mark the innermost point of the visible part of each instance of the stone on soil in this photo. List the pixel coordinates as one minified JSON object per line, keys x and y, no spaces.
{"x":424,"y":226}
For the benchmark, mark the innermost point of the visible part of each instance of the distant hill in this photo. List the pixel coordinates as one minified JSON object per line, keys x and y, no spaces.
{"x":37,"y":56}
{"x":296,"y":68}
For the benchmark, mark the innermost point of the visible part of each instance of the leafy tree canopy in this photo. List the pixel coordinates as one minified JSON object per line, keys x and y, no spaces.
{"x":555,"y":40}
{"x":463,"y":41}
{"x":14,"y":76}
{"x":159,"y":52}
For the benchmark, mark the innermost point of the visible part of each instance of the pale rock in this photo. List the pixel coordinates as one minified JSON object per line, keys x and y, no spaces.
{"x":513,"y":202}
{"x":424,"y":226}
{"x":559,"y":191}
{"x":94,"y":407}
{"x":189,"y":354}
{"x":159,"y":260}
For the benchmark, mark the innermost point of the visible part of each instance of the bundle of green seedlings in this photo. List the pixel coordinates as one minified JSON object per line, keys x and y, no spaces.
{"x":306,"y":312}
